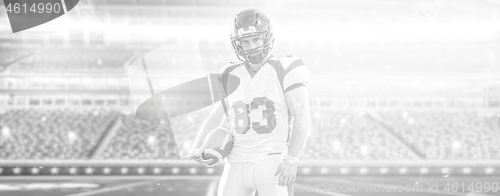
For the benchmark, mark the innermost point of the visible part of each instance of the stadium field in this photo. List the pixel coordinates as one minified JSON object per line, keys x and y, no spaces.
{"x":207,"y":185}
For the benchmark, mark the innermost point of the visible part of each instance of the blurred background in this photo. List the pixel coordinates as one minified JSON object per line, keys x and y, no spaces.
{"x":396,"y":85}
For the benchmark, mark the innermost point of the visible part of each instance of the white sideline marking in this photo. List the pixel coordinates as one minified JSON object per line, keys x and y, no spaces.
{"x":115,"y":188}
{"x":322,"y":192}
{"x":394,"y":187}
{"x":82,"y":178}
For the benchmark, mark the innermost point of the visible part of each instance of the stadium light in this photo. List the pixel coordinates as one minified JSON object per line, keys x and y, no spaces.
{"x":73,"y":170}
{"x":124,"y":170}
{"x":6,"y":132}
{"x":210,"y":170}
{"x":424,"y":170}
{"x":344,"y":170}
{"x":193,"y":171}
{"x":467,"y":170}
{"x":445,"y":170}
{"x":489,"y":170}
{"x":363,"y":170}
{"x":35,"y":171}
{"x":54,"y":171}
{"x":306,"y":170}
{"x":151,"y":140}
{"x":384,"y":170}
{"x":140,"y":170}
{"x":156,"y":170}
{"x":17,"y":170}
{"x":403,"y":170}
{"x":175,"y":170}
{"x":457,"y":145}
{"x":324,"y":170}
{"x":106,"y":170}
{"x":89,"y":170}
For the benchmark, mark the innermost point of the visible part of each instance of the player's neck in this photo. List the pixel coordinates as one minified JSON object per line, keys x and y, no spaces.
{"x":256,"y":67}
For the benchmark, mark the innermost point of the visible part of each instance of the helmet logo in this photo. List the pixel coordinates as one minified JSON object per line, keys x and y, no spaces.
{"x":245,"y":30}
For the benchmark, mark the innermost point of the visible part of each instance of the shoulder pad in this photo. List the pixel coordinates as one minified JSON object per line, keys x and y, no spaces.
{"x":290,"y":61}
{"x":230,"y":66}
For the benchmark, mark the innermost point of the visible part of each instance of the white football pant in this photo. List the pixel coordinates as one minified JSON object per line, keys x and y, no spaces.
{"x":244,"y":178}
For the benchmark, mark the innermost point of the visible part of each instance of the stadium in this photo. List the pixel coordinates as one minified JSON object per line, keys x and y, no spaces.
{"x":404,"y":96}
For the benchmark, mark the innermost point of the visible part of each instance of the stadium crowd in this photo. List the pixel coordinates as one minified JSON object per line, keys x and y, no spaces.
{"x":51,"y":134}
{"x":10,"y":55}
{"x":350,"y":136}
{"x":446,"y":134}
{"x":336,"y":135}
{"x":140,"y":139}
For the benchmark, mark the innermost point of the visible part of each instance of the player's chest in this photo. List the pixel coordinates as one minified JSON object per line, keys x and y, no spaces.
{"x":264,"y":83}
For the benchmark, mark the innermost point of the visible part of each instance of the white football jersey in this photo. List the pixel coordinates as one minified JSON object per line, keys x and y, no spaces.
{"x":257,"y":112}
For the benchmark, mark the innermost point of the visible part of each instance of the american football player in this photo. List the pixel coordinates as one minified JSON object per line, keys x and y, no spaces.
{"x":267,"y":144}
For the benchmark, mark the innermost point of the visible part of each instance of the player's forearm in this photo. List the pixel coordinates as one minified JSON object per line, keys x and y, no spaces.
{"x":300,"y":133}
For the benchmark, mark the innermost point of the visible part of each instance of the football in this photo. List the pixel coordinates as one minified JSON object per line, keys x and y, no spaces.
{"x":219,"y":143}
{"x":159,"y":93}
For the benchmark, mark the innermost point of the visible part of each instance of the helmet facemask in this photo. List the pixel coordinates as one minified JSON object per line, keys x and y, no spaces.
{"x":254,"y":55}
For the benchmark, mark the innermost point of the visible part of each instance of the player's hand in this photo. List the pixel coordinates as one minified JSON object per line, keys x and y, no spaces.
{"x":288,"y":173}
{"x":197,"y":156}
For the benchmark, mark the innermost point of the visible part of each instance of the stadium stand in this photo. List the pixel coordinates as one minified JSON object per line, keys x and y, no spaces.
{"x":186,"y":129}
{"x":51,"y":134}
{"x":350,"y":136}
{"x":139,"y":139}
{"x":396,"y":60}
{"x":393,"y":60}
{"x":445,"y":135}
{"x":75,"y":59}
{"x":9,"y":55}
{"x":439,"y":61}
{"x":336,"y":135}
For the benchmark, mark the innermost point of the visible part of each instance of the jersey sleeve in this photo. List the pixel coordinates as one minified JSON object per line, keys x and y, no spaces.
{"x":296,"y":73}
{"x":224,"y":75}
{"x":224,"y":83}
